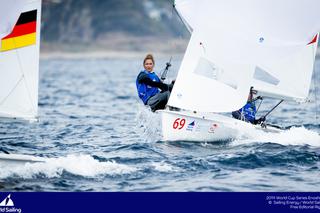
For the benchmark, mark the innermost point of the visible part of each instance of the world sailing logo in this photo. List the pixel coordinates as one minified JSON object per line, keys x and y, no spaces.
{"x":7,"y":201}
{"x":7,"y":205}
{"x":190,"y":126}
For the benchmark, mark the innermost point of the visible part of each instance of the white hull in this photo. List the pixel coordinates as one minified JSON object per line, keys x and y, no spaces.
{"x":8,"y":160}
{"x":205,"y":127}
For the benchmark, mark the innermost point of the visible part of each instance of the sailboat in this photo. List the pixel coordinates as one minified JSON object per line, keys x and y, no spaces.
{"x":235,"y":45}
{"x":19,"y":64}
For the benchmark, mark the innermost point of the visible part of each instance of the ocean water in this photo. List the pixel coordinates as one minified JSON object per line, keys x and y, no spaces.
{"x":95,"y":135}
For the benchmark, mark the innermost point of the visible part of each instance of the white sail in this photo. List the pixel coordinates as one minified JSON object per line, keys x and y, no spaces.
{"x":205,"y":83}
{"x":286,"y":22}
{"x":19,"y":62}
{"x":289,"y":78}
{"x":243,"y":39}
{"x":10,"y":11}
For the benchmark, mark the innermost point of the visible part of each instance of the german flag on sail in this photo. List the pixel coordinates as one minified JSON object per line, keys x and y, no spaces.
{"x":23,"y":33}
{"x":314,"y":40}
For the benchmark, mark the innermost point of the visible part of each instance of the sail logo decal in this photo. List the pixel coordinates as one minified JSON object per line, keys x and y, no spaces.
{"x":314,"y":40}
{"x":23,"y":33}
{"x":7,"y":206}
{"x":213,"y":128}
{"x":191,"y":126}
{"x":261,"y":39}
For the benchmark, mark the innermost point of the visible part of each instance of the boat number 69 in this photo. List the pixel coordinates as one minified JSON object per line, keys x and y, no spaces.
{"x":179,"y":123}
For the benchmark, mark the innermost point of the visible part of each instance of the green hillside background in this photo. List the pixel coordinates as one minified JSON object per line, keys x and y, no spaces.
{"x":111,"y":25}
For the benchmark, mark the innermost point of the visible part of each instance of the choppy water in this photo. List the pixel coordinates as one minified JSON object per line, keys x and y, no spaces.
{"x":97,"y":136}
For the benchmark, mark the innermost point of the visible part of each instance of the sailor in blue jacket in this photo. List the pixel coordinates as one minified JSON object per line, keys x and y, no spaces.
{"x":150,"y":88}
{"x":248,"y":112}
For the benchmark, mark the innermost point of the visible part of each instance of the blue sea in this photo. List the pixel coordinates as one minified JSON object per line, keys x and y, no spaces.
{"x":96,"y":135}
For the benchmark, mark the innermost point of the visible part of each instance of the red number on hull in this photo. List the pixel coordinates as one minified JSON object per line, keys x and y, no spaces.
{"x":179,"y":123}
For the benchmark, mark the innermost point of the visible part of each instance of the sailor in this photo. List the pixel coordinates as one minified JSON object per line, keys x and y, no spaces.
{"x":151,"y":90}
{"x":248,"y":112}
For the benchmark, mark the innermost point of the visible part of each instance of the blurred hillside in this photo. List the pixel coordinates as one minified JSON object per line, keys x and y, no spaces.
{"x":135,"y":25}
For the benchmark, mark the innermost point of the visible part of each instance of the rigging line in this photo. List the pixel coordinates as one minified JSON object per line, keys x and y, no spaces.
{"x":163,"y":74}
{"x":172,"y":9}
{"x":272,"y":109}
{"x":315,"y":94}
{"x":173,"y":43}
{"x":23,"y":77}
{"x":259,"y":105}
{"x":181,"y":19}
{"x":11,"y":91}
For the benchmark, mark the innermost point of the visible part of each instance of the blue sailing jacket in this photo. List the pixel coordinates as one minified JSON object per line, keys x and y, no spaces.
{"x":249,"y":112}
{"x":146,"y":91}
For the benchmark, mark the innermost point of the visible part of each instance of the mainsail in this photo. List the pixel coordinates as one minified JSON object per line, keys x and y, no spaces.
{"x":261,"y":43}
{"x":19,"y":58}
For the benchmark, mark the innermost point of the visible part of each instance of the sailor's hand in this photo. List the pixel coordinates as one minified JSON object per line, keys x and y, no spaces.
{"x":173,"y":81}
{"x":259,"y":98}
{"x":261,"y":120}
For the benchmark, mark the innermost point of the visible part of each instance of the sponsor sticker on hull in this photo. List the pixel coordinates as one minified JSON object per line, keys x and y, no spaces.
{"x":213,"y":128}
{"x":190,"y":126}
